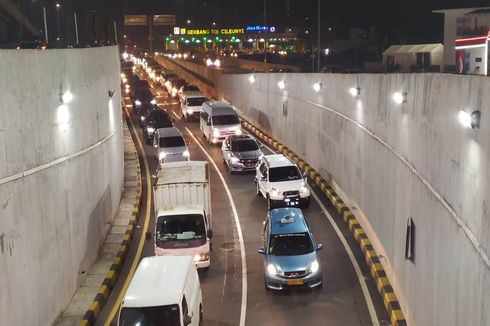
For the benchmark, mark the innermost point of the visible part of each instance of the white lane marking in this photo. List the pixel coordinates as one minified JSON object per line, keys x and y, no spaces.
{"x":176,"y":115}
{"x":355,"y":264}
{"x":243,"y":310}
{"x":362,"y":281}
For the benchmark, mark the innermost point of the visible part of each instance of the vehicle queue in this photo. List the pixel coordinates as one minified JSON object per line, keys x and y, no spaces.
{"x":288,"y":246}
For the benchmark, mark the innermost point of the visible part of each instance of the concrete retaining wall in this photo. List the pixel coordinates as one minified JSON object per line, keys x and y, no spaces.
{"x":392,"y":162}
{"x":61,"y":175}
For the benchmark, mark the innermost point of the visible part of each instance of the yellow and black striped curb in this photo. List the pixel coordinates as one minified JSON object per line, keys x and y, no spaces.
{"x":377,"y":272}
{"x":110,"y":279}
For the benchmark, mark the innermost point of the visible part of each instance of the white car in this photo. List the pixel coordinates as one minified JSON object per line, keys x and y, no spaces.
{"x":281,"y":182}
{"x":170,"y":146}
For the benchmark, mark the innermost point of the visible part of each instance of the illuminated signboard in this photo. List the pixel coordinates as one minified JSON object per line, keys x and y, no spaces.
{"x":258,"y":28}
{"x":205,"y":31}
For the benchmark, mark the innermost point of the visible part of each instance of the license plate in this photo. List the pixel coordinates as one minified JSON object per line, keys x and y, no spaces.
{"x":294,"y":282}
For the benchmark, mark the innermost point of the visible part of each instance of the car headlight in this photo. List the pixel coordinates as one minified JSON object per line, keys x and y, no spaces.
{"x":271,"y":269}
{"x":304,"y":189}
{"x":238,"y":132}
{"x":124,"y":80}
{"x":215,"y":133}
{"x":208,"y":62}
{"x":234,"y":159}
{"x":162,"y":155}
{"x":275,"y":192}
{"x":127,"y":90}
{"x":217,"y":63}
{"x":127,"y":86}
{"x":201,"y":257}
{"x":315,"y":266}
{"x":189,"y":111}
{"x":143,"y":118}
{"x":153,"y":102}
{"x":137,"y":102}
{"x":150,"y":129}
{"x":123,"y":75}
{"x":186,"y":154}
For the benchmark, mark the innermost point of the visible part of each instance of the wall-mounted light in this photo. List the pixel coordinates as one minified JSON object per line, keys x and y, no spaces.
{"x":317,"y":87}
{"x":66,"y":97}
{"x":400,"y":98}
{"x":281,"y":84}
{"x":470,"y":120}
{"x":355,"y":91}
{"x":251,"y":79}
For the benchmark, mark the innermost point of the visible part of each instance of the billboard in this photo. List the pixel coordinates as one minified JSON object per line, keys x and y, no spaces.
{"x":164,"y":20}
{"x":135,"y":20}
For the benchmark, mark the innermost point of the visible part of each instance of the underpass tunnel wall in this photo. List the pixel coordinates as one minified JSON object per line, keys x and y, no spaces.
{"x":61,"y":174}
{"x":392,"y":162}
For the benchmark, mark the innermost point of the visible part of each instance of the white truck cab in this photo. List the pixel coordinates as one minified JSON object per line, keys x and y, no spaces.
{"x":281,"y":182}
{"x":163,"y":291}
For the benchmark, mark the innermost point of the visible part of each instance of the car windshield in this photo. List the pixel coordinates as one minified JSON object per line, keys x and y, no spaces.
{"x":222,"y":120}
{"x":180,"y":227}
{"x":150,"y":316}
{"x":145,"y":96}
{"x":247,"y":145}
{"x":195,"y":101}
{"x":290,"y":244}
{"x":176,"y":141}
{"x":284,"y":173}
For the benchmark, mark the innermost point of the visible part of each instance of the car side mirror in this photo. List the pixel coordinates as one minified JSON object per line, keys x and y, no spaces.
{"x":261,"y":251}
{"x":208,"y":123}
{"x":149,"y":236}
{"x":319,"y":246}
{"x":187,"y":320}
{"x":304,"y":175}
{"x":263,"y":178}
{"x":261,"y":146}
{"x":209,"y":234}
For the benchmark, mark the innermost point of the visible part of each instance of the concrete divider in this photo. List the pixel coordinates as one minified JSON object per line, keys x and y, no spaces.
{"x":61,"y":174}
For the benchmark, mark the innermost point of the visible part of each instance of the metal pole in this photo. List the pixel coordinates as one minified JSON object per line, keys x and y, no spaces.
{"x":45,"y":25}
{"x":76,"y":26}
{"x":318,"y":43}
{"x":59,"y":27}
{"x":265,"y":36}
{"x":115,"y":31}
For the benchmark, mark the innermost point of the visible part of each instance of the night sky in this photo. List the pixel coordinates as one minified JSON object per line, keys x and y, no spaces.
{"x":395,"y":21}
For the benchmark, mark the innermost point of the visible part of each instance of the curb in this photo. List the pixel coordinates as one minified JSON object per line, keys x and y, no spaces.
{"x":110,"y":279}
{"x":376,"y":268}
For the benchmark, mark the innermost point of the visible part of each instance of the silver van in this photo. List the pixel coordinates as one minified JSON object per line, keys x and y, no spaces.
{"x":218,"y":120}
{"x":191,"y":104}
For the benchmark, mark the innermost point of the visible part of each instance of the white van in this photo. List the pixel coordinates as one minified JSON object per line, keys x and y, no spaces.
{"x":191,"y":104}
{"x":219,"y":120}
{"x":165,"y":290}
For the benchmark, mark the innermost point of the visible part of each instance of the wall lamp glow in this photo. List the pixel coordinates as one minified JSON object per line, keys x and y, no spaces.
{"x":66,"y":97}
{"x":355,"y":91}
{"x":281,"y":84}
{"x":470,"y":120}
{"x":400,"y":98}
{"x":251,"y":79}
{"x":317,"y":87}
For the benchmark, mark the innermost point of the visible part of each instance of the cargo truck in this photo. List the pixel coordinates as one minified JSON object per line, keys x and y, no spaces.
{"x":182,"y":202}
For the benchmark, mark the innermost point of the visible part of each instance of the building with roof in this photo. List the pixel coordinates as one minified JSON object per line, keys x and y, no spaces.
{"x":414,"y":57}
{"x":466,"y":39}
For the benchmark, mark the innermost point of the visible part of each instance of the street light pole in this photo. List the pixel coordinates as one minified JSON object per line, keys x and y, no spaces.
{"x":318,"y":41}
{"x":58,"y":39}
{"x":265,"y":32}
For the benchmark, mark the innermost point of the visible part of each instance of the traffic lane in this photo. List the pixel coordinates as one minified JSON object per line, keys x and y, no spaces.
{"x":339,"y":302}
{"x":221,"y":283}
